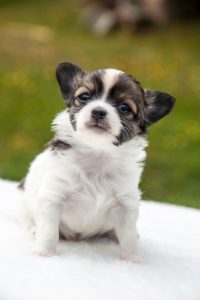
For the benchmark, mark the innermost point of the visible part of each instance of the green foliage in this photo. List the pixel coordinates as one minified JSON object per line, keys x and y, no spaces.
{"x":35,"y":37}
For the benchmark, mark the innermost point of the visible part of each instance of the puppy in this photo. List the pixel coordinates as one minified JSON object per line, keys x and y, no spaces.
{"x":86,"y":182}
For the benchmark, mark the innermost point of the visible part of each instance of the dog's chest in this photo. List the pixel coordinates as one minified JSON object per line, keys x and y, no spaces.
{"x":88,"y":208}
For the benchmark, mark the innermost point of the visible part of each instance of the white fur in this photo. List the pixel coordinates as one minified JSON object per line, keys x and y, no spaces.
{"x":84,"y":190}
{"x":110,"y":77}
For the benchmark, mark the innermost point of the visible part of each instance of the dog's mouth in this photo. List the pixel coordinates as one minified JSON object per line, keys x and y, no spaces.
{"x":98,"y":126}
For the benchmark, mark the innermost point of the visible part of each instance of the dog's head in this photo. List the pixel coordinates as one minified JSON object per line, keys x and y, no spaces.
{"x":108,"y":105}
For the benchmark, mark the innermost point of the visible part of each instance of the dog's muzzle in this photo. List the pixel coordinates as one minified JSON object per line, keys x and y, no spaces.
{"x":98,"y":119}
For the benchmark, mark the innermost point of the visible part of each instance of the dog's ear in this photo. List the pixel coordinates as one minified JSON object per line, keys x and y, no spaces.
{"x":158,"y":104}
{"x":68,"y":76}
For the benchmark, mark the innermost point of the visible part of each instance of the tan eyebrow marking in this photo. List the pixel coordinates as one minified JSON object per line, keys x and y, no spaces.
{"x":131,"y":104}
{"x":81,"y":90}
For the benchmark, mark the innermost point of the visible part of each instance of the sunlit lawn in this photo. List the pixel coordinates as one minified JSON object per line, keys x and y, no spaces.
{"x":34,"y":38}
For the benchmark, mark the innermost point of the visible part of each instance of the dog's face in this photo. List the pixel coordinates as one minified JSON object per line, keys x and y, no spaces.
{"x":109,"y":105}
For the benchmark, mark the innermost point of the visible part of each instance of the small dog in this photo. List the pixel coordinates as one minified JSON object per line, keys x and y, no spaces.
{"x":86,"y":182}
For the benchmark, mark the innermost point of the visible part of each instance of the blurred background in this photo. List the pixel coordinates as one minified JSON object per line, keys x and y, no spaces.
{"x":155,"y":40}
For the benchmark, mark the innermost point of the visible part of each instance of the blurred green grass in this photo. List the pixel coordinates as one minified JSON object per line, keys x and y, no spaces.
{"x":37,"y":36}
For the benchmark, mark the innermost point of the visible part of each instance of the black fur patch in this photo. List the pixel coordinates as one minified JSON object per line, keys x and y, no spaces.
{"x":57,"y":144}
{"x":127,"y":87}
{"x":73,"y":110}
{"x":21,"y":184}
{"x":96,"y":79}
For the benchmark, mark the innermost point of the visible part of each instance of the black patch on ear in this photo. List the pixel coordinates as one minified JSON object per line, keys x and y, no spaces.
{"x":158,"y":104}
{"x":68,"y":76}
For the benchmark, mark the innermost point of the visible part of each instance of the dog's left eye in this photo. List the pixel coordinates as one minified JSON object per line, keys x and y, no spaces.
{"x":84,"y":97}
{"x":124,"y":108}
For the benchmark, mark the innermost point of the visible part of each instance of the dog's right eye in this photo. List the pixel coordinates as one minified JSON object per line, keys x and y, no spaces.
{"x":84,"y":97}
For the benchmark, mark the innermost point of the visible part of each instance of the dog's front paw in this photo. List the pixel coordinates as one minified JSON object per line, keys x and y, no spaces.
{"x":132,"y":257}
{"x":43,"y":252}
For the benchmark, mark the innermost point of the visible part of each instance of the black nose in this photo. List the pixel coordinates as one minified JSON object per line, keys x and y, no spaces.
{"x":99,"y":113}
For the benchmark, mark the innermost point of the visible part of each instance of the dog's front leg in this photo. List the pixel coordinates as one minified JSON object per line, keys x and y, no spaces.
{"x":47,"y":227}
{"x":126,"y":233}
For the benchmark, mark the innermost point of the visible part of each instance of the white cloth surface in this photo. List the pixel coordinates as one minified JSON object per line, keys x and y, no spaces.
{"x":169,"y":243}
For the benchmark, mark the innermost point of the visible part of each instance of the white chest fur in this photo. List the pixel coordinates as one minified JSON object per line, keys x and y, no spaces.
{"x":96,"y":192}
{"x":93,"y":183}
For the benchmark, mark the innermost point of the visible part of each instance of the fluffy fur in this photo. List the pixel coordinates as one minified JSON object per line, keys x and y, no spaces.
{"x":86,"y":182}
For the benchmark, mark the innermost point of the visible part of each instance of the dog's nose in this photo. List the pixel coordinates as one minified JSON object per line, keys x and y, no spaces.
{"x":99,"y":113}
